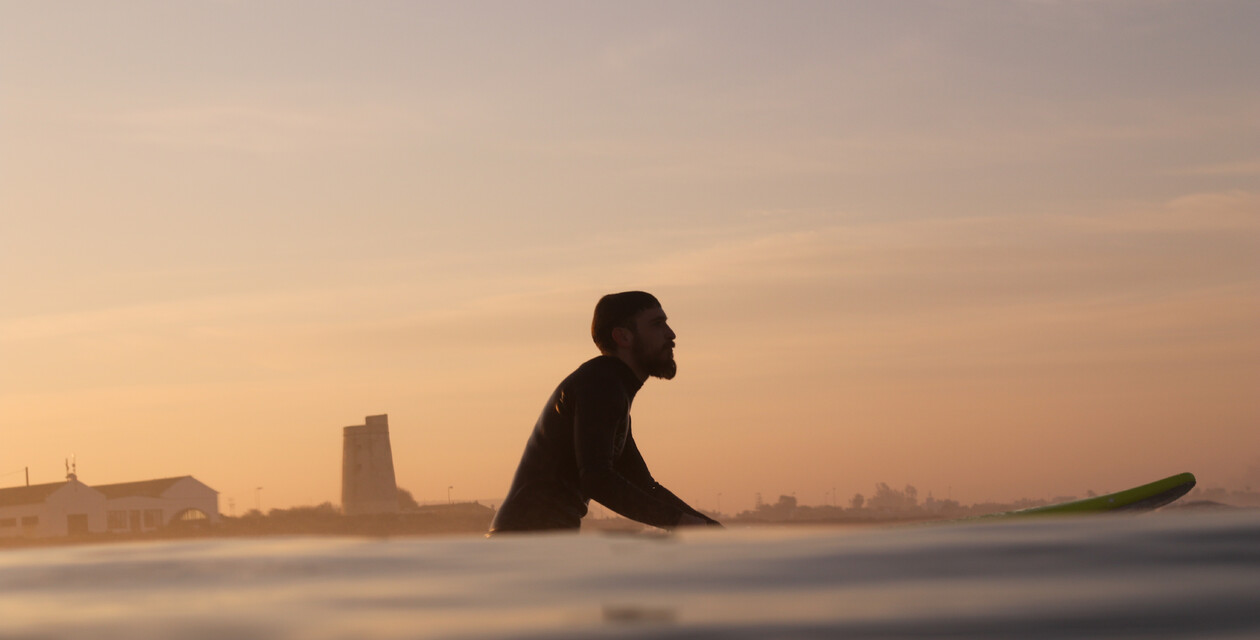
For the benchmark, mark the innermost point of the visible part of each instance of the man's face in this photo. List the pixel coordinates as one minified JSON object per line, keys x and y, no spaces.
{"x":654,"y":344}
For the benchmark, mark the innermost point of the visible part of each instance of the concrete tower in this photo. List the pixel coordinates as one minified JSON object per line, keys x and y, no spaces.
{"x":367,"y":469}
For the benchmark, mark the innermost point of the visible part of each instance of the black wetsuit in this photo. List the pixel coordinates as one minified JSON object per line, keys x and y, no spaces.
{"x":582,"y":450}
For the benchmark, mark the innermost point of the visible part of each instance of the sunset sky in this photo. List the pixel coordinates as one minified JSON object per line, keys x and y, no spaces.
{"x":990,"y":249}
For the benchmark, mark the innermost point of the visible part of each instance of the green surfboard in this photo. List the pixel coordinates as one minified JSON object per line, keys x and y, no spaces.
{"x":1144,"y":498}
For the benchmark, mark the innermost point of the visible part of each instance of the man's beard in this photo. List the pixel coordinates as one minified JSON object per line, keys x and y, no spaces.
{"x":659,"y":364}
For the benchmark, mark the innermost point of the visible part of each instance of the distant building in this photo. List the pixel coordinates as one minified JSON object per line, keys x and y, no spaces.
{"x":72,"y":507}
{"x":153,"y":504}
{"x":367,"y":469}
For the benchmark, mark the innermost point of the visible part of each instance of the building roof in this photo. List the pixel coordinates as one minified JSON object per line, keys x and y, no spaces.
{"x":38,"y":493}
{"x":33,"y":494}
{"x":145,"y":488}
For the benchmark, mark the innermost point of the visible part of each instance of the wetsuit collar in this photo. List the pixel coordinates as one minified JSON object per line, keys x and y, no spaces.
{"x":629,"y":380}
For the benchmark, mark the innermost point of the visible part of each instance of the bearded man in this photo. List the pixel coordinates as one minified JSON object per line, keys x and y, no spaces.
{"x":582,"y":447}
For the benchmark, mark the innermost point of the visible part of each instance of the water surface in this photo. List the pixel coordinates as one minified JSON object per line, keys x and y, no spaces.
{"x":1153,"y":576}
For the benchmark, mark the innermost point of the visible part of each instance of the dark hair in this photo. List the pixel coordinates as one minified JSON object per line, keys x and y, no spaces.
{"x":618,"y":310}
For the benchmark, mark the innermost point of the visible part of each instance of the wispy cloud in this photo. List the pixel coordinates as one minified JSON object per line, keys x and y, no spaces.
{"x":262,"y":128}
{"x":1240,"y":168}
{"x":1223,"y":213}
{"x":1021,"y":282}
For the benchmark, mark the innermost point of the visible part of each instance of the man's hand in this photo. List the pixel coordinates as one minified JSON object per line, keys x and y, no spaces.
{"x":688,"y":520}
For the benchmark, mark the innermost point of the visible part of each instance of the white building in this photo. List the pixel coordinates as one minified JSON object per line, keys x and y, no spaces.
{"x":71,"y":507}
{"x":56,"y":509}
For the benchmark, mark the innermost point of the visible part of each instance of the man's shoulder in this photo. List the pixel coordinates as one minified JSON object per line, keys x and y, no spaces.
{"x":604,"y":372}
{"x":596,"y":380}
{"x":600,"y":369}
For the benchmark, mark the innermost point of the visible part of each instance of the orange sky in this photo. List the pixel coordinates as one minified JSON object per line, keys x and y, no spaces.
{"x":992,"y":250}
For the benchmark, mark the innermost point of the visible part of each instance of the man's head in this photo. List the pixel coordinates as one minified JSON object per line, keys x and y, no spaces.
{"x":632,"y":326}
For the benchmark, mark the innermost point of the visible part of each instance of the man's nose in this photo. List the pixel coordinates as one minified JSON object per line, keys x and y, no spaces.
{"x":670,"y":332}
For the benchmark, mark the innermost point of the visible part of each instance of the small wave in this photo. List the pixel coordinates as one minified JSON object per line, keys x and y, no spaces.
{"x":1195,"y":573}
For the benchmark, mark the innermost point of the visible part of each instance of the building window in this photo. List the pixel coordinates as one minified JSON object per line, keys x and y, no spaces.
{"x":116,"y":519}
{"x":152,"y":518}
{"x":191,"y":515}
{"x":30,"y":521}
{"x":8,"y":522}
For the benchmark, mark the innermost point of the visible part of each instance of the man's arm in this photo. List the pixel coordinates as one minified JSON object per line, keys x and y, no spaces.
{"x":634,"y":468}
{"x":597,"y":411}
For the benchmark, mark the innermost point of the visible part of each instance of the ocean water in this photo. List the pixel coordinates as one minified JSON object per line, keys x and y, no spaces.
{"x":1159,"y":575}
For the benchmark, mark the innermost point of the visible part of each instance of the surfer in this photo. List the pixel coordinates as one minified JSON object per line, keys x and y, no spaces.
{"x":582,"y":447}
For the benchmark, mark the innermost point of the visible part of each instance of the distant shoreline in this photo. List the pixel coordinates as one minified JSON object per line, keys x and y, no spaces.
{"x":470,"y":518}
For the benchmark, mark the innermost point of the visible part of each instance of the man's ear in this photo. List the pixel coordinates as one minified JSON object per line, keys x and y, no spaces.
{"x":623,"y":337}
